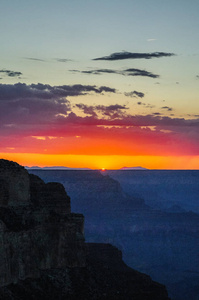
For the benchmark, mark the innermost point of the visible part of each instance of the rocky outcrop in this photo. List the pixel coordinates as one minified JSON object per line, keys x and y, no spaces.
{"x":14,"y":184}
{"x":42,"y":250}
{"x":105,"y":276}
{"x":37,"y":230}
{"x":51,"y":195}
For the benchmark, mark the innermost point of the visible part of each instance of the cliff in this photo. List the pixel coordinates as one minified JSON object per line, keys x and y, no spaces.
{"x":43,"y":254}
{"x":37,"y":229}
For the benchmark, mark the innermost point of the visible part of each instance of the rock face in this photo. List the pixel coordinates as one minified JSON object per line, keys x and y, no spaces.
{"x":42,"y":250}
{"x":14,"y":184}
{"x":37,"y":229}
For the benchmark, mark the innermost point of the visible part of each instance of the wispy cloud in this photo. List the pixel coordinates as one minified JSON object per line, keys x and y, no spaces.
{"x":151,"y":40}
{"x":126,"y":72}
{"x":134,"y":94}
{"x":156,"y":114}
{"x":64,"y":60}
{"x":10,"y":73}
{"x":131,"y":55}
{"x":35,"y":59}
{"x":167,"y":108}
{"x":138,"y":72}
{"x":113,"y":111}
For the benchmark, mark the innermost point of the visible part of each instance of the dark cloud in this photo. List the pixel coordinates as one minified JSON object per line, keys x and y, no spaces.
{"x":141,"y":103}
{"x":45,"y":91}
{"x":134,"y":94}
{"x":87,"y":109}
{"x":112,"y":111}
{"x":138,"y":72}
{"x":130,"y":55}
{"x":193,"y":115}
{"x":36,"y":59}
{"x":114,"y":107}
{"x":197,"y":76}
{"x":156,"y":114}
{"x":99,"y":71}
{"x":167,"y":108}
{"x":11,"y":73}
{"x":127,"y":72}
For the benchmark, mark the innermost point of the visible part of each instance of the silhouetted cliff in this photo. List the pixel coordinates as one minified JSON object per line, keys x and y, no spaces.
{"x":42,"y":250}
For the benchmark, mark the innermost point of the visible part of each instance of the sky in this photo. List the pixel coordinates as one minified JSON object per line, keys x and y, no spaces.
{"x":100,"y":84}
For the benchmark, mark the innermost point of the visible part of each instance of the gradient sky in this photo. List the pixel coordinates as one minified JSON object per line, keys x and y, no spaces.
{"x":100,"y":84}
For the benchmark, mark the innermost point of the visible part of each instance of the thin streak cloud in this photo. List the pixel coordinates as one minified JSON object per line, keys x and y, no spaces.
{"x":131,"y":55}
{"x":126,"y":72}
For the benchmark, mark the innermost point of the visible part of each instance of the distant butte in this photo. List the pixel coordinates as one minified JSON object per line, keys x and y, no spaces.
{"x":132,"y":168}
{"x":55,"y":168}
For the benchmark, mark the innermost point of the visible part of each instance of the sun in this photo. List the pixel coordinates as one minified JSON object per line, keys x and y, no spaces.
{"x":103,"y":169}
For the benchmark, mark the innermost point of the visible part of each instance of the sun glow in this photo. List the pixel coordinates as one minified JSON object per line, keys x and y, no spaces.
{"x":108,"y":161}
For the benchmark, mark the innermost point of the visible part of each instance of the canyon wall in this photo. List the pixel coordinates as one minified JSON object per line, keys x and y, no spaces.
{"x":37,"y":229}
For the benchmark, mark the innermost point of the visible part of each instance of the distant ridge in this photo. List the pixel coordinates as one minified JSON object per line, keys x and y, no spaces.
{"x":54,"y":168}
{"x":133,"y":168}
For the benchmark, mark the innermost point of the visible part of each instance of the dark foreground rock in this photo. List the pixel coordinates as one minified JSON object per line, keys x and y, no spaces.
{"x":43,"y":254}
{"x":105,"y":276}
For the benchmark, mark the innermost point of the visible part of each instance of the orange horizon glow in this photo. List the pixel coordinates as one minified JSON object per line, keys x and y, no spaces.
{"x":110,"y":162}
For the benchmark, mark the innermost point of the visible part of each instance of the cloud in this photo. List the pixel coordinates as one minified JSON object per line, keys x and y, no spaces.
{"x":64,"y":60}
{"x":89,"y":110}
{"x":10,"y":73}
{"x":167,"y":108}
{"x":42,"y":111}
{"x":46,"y":91}
{"x":134,"y":94}
{"x":141,"y":103}
{"x":36,"y":107}
{"x":138,"y":72}
{"x":197,"y":76}
{"x":99,"y":71}
{"x":36,"y":59}
{"x":113,"y":111}
{"x":130,"y":55}
{"x":126,"y":72}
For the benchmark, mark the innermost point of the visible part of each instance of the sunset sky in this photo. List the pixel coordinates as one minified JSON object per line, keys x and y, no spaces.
{"x":100,"y":84}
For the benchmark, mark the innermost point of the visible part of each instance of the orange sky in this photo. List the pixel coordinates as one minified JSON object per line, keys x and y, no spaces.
{"x":148,"y":141}
{"x":106,"y":161}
